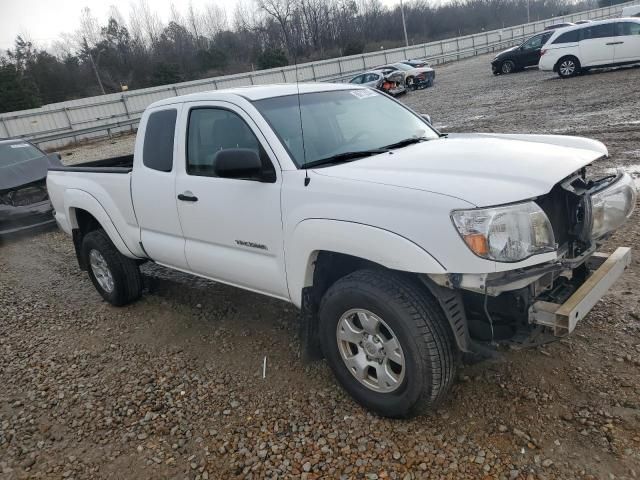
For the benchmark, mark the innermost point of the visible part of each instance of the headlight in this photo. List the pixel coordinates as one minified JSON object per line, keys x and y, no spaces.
{"x":505,"y":234}
{"x":611,"y":207}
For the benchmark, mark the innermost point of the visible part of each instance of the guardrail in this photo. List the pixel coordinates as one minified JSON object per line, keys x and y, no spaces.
{"x":54,"y":125}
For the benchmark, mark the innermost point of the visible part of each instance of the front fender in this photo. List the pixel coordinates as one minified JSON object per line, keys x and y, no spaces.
{"x":79,"y":199}
{"x":364,"y":241}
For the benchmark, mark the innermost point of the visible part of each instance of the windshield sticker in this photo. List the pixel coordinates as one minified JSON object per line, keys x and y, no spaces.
{"x":364,"y":93}
{"x":20,"y":145}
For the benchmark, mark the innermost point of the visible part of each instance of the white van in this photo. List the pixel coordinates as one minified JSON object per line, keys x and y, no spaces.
{"x":632,"y":11}
{"x":605,"y":43}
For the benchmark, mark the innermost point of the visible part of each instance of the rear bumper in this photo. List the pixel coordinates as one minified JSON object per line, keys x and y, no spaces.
{"x":562,"y":318}
{"x":15,"y":220}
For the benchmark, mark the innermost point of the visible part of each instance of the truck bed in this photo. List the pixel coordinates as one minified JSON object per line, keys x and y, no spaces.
{"x":122,"y":164}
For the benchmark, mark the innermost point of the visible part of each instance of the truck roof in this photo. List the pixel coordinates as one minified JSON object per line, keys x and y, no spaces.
{"x":257,"y":92}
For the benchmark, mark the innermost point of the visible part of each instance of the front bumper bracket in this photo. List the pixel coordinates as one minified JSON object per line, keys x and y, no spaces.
{"x":562,"y":318}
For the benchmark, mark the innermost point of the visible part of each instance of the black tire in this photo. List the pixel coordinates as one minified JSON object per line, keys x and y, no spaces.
{"x":125,"y":273}
{"x":507,"y":67}
{"x":415,"y":318}
{"x":568,"y":67}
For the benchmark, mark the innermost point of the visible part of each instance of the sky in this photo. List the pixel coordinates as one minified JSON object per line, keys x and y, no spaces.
{"x":42,"y":21}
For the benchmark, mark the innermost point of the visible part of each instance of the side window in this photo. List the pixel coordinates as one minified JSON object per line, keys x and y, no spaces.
{"x":568,"y":37}
{"x":598,"y":31}
{"x":534,"y":42}
{"x":157,"y":152}
{"x":628,"y":28}
{"x":357,"y":79}
{"x":211,"y":130}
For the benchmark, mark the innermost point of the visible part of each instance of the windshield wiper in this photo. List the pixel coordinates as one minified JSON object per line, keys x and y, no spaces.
{"x":344,"y":157}
{"x":405,"y":142}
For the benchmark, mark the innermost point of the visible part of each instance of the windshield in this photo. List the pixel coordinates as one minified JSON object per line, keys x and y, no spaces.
{"x":340,"y":121}
{"x":13,"y":153}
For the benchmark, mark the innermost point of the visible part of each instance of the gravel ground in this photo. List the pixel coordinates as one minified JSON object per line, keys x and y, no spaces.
{"x":172,"y":387}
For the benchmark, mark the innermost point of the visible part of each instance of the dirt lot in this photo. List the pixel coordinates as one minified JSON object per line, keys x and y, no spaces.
{"x":172,"y":387}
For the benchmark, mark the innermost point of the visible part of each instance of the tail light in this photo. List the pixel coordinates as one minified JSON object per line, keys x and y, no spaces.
{"x":542,"y":52}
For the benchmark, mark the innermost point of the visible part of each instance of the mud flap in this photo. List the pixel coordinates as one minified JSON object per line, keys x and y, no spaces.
{"x":308,"y":331}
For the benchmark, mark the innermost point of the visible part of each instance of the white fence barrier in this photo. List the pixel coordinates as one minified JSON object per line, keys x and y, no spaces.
{"x":57,"y":124}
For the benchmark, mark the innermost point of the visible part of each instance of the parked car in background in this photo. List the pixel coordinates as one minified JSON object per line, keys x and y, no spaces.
{"x":632,"y":11}
{"x":582,"y":22}
{"x":524,"y":55}
{"x":417,"y":63}
{"x":388,"y":81}
{"x":606,"y":43}
{"x":414,"y":77}
{"x":24,"y":202}
{"x":559,"y":25}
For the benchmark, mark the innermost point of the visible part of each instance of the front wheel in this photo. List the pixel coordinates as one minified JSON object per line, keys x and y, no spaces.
{"x":116,"y":277}
{"x":507,"y":67}
{"x":388,"y":343}
{"x":568,"y":67}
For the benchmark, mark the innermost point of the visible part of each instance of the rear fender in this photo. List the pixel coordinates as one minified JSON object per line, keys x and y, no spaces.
{"x":79,"y":199}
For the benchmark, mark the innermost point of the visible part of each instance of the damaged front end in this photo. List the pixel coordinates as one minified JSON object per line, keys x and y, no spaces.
{"x":24,"y":208}
{"x":539,"y":303}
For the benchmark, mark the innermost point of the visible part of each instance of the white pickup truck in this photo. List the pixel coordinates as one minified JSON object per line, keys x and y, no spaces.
{"x":403,"y":247}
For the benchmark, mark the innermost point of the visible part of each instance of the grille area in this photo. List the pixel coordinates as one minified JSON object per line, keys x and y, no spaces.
{"x":25,"y":196}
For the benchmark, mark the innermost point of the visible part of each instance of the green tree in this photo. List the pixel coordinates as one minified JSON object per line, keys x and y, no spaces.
{"x":272,"y":58}
{"x":14,"y":94}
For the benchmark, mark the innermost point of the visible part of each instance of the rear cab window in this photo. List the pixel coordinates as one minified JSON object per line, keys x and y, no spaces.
{"x":159,"y":133}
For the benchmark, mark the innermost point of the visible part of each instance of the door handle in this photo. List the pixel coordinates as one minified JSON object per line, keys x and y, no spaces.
{"x":615,"y":43}
{"x":187,"y":197}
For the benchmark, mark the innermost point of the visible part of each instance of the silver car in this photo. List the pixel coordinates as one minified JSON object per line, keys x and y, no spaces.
{"x":386,"y":80}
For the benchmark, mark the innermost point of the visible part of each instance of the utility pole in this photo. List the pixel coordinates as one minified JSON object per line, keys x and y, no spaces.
{"x":528,"y":18}
{"x":404,"y":25}
{"x":95,"y":69}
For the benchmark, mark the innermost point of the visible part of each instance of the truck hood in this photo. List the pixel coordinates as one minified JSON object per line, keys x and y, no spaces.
{"x":482,"y":169}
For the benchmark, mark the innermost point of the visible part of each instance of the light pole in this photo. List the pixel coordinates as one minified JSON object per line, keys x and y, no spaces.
{"x":404,"y":25}
{"x":528,"y":18}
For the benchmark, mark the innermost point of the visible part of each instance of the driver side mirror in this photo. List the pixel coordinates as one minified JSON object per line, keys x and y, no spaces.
{"x":426,"y":117}
{"x":240,"y":163}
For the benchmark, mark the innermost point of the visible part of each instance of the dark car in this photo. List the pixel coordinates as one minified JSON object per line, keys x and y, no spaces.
{"x":517,"y":58}
{"x":24,"y":202}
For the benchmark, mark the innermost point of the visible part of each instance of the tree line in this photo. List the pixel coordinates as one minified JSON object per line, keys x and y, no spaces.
{"x":142,"y":51}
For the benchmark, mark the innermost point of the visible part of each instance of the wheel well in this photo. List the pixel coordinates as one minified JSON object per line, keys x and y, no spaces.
{"x":86,"y":223}
{"x":331,"y":267}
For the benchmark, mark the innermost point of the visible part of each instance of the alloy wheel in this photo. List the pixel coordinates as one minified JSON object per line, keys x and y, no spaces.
{"x":370,"y":350}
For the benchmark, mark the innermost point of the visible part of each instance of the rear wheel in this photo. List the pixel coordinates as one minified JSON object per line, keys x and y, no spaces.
{"x":388,"y":342}
{"x":116,"y":277}
{"x":568,"y":67}
{"x":508,"y":66}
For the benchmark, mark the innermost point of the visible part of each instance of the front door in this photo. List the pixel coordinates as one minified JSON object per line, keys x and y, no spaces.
{"x":530,"y":54}
{"x":597,"y":45}
{"x":627,"y":47}
{"x":232,"y":227}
